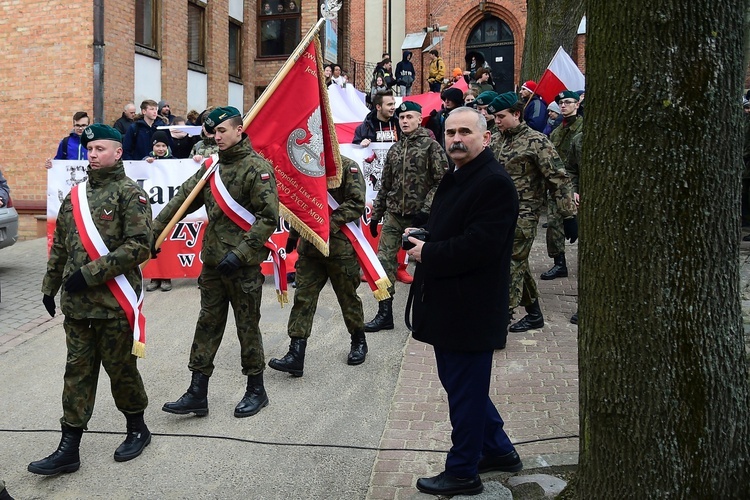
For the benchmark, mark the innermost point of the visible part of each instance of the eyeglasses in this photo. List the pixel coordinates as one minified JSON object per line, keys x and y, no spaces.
{"x":569,"y":102}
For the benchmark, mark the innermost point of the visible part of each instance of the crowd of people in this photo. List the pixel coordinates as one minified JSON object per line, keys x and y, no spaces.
{"x":483,"y":156}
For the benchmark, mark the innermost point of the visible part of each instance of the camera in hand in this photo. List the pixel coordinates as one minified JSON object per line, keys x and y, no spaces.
{"x":420,"y":234}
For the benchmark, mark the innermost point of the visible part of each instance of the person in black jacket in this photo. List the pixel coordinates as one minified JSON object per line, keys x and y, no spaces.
{"x":460,"y":302}
{"x":379,"y":125}
{"x":126,"y":120}
{"x":405,"y":74}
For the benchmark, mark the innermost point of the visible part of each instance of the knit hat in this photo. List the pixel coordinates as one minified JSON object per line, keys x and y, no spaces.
{"x":161,"y":105}
{"x":553,"y":106}
{"x":218,"y":116}
{"x":98,"y":131}
{"x":457,"y":72}
{"x":160,"y":136}
{"x":409,"y":106}
{"x":486,"y":97}
{"x":502,"y":102}
{"x":529,"y":85}
{"x":453,"y":94}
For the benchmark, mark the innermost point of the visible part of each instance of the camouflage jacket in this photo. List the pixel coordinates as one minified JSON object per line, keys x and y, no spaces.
{"x":563,"y":135}
{"x":122,"y":215}
{"x":351,"y":198}
{"x":534,"y":165}
{"x":574,"y":161}
{"x":250,"y":181}
{"x":412,"y":171}
{"x":205,"y":147}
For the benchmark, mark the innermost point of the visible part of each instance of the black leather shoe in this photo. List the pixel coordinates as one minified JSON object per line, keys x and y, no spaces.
{"x":255,"y":398}
{"x":195,"y":400}
{"x":526,"y":323}
{"x":137,"y":439}
{"x":358,"y":352}
{"x":443,"y":484}
{"x":559,"y":270}
{"x":65,"y":458}
{"x":505,"y":463}
{"x":574,"y":318}
{"x":383,"y":320}
{"x":293,"y":361}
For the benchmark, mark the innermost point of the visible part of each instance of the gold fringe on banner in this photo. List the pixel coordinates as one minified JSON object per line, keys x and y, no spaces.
{"x":282,"y":297}
{"x":382,"y":292}
{"x":139,"y":349}
{"x":304,"y":231}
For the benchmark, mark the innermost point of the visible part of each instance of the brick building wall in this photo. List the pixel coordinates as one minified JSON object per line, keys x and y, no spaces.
{"x":47,"y":77}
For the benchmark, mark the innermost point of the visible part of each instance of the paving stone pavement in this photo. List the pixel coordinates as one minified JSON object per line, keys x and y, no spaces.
{"x":535,"y":379}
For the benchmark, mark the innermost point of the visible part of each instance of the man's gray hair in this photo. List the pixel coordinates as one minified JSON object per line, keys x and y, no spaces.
{"x":129,"y":105}
{"x":481,"y":120}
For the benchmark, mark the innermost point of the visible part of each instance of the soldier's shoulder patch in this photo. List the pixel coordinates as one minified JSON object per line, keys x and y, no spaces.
{"x":107,"y":214}
{"x":142,"y":199}
{"x":265,"y":176}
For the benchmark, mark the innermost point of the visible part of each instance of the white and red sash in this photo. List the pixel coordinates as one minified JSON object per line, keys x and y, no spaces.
{"x":119,"y":286}
{"x":368,"y":260}
{"x":245,"y":220}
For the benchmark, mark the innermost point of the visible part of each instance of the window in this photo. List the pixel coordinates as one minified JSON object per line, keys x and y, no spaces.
{"x":235,"y":49}
{"x":146,"y":24}
{"x":278,"y":27}
{"x":196,"y":34}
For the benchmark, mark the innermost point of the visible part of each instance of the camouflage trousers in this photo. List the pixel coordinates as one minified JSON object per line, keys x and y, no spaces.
{"x":93,"y":343}
{"x":243,"y":290}
{"x":312,"y":275}
{"x":523,"y":289}
{"x":390,"y":243}
{"x":555,"y":230}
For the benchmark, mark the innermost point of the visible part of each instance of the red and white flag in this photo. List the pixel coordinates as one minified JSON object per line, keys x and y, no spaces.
{"x":561,"y":74}
{"x":293,"y":129}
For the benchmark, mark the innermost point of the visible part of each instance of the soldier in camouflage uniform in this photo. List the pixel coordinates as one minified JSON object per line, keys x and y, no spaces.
{"x":534,"y":165}
{"x":96,"y":328}
{"x":561,"y":138}
{"x":231,"y":263}
{"x":314,"y":270}
{"x":413,"y":169}
{"x":573,"y":165}
{"x":481,"y":102}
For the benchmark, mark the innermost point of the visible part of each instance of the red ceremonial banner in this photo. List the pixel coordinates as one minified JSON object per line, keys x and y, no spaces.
{"x":294,"y":131}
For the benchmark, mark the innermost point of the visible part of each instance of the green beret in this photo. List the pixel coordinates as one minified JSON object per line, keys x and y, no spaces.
{"x":218,"y":116}
{"x":409,"y":106}
{"x":501,"y":102}
{"x":485,"y":98}
{"x":98,"y":131}
{"x":567,"y":94}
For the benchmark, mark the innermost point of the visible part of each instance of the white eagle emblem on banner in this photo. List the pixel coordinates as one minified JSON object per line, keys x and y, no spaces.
{"x":307,"y":157}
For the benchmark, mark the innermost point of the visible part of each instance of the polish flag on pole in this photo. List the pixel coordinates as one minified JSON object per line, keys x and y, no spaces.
{"x":561,"y":74}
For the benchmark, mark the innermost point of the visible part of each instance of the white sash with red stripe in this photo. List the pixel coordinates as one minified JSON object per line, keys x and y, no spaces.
{"x":119,"y":286}
{"x":368,"y":260}
{"x":245,"y":220}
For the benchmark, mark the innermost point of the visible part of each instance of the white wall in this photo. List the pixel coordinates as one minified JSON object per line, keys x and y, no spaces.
{"x":147,"y":79}
{"x":197,"y":91}
{"x":236,"y":10}
{"x":398,"y":29}
{"x":236,"y":95}
{"x":374,"y":30}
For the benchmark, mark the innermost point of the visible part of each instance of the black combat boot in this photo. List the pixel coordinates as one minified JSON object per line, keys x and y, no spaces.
{"x":255,"y":397}
{"x":4,"y":495}
{"x":137,"y":439}
{"x":195,"y":400}
{"x":532,"y":320}
{"x":294,"y":361}
{"x":65,"y":458}
{"x":383,"y":320}
{"x":358,"y":352}
{"x":559,"y":270}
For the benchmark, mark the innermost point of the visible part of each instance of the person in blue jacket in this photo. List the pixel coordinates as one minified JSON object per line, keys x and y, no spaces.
{"x":535,"y":110}
{"x":71,"y":148}
{"x":137,"y":141}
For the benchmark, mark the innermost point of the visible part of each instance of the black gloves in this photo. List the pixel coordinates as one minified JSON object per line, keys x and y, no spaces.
{"x":420,"y":219}
{"x":570,"y":227}
{"x":76,"y":282}
{"x":49,"y":304}
{"x":374,"y":227}
{"x":229,"y":264}
{"x":291,"y":244}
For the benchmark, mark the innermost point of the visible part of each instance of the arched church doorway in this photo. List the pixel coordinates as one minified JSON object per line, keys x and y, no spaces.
{"x":493,"y":39}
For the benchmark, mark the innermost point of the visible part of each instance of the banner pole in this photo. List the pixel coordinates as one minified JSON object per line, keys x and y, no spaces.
{"x":283,"y":71}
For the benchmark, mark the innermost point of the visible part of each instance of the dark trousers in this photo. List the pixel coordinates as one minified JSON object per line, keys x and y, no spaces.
{"x":477,"y":426}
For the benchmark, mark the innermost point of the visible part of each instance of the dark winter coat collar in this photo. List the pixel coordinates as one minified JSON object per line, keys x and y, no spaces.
{"x":461,"y":175}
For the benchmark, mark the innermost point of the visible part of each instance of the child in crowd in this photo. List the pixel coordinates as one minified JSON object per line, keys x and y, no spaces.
{"x":160,"y":151}
{"x":182,"y":143}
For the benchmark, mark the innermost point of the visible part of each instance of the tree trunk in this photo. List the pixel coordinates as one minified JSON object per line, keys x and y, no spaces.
{"x":549,"y":24}
{"x":664,"y":396}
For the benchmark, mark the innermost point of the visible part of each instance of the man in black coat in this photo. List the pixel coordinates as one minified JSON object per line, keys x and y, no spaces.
{"x":460,"y":300}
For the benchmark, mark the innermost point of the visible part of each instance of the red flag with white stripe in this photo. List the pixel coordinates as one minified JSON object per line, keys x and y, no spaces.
{"x":561,"y":74}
